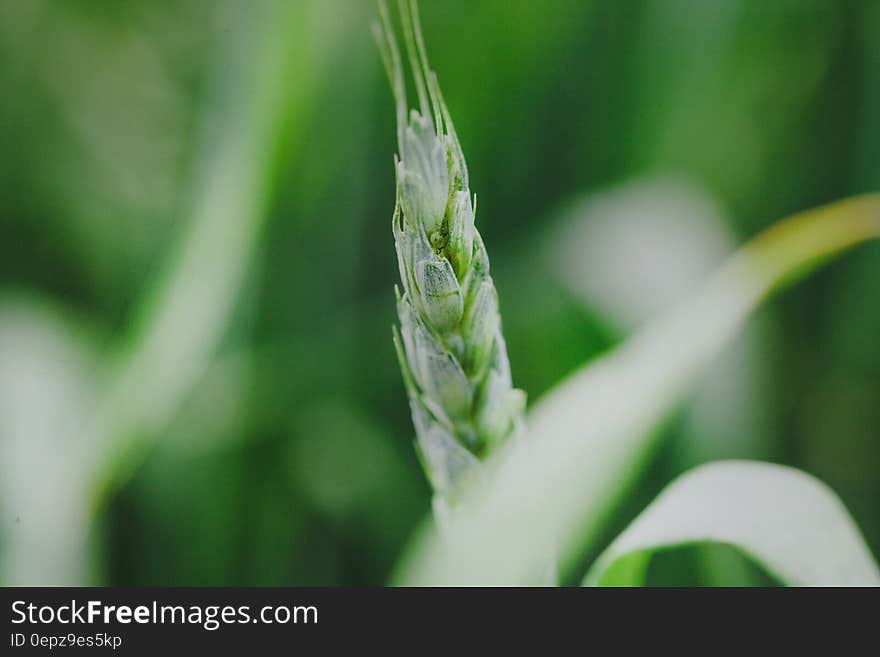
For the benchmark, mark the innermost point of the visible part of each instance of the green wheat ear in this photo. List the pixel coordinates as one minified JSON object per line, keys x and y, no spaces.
{"x":450,"y":347}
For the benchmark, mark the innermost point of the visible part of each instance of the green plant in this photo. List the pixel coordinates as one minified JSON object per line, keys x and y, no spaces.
{"x":450,"y":346}
{"x":591,"y":434}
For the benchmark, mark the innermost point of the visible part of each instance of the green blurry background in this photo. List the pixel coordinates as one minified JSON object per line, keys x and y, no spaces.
{"x":197,"y":383}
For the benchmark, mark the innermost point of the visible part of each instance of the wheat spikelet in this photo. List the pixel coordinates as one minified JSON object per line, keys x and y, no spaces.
{"x":449,"y":344}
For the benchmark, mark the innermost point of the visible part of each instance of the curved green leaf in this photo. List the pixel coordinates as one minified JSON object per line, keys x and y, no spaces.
{"x":785,"y":520}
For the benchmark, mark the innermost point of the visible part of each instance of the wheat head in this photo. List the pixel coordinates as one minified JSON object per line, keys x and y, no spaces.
{"x":450,"y":346}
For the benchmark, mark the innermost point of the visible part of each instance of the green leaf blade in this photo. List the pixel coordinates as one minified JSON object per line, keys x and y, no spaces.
{"x":783,"y":519}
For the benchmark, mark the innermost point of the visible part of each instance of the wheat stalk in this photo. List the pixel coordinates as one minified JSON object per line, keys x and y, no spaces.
{"x":450,"y":346}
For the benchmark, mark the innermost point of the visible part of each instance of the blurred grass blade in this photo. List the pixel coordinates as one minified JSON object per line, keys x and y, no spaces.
{"x":263,"y":84}
{"x":631,"y":251}
{"x":590,"y":435}
{"x":785,"y":520}
{"x":46,"y":359}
